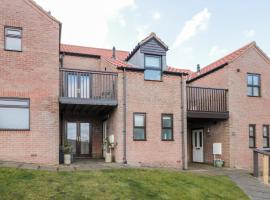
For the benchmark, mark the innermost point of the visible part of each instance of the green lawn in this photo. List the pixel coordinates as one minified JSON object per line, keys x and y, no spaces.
{"x":115,"y":184}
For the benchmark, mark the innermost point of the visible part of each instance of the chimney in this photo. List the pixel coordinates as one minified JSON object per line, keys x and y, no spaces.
{"x":198,"y":68}
{"x":113,"y":53}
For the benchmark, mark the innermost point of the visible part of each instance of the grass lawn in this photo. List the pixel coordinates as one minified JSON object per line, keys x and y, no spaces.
{"x":116,"y":184}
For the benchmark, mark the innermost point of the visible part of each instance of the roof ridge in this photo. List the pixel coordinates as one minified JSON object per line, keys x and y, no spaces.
{"x":107,"y":49}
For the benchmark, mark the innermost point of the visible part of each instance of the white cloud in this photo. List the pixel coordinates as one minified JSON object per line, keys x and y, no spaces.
{"x":217,"y":52}
{"x":156,"y":15}
{"x":249,"y":33}
{"x":199,"y":22}
{"x":87,"y":22}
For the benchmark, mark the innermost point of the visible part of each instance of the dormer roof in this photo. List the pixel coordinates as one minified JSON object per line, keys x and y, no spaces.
{"x":144,"y":41}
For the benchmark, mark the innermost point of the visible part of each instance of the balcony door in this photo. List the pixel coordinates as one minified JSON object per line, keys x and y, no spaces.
{"x":78,"y":135}
{"x":78,"y":85}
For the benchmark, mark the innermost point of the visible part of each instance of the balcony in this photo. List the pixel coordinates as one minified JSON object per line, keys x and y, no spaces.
{"x":208,"y":103}
{"x":79,"y":89}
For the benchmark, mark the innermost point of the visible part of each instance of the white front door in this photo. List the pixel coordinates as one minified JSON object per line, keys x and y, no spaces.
{"x":197,"y":145}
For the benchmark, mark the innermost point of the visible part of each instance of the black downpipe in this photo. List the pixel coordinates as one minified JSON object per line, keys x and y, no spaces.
{"x":124,"y":117}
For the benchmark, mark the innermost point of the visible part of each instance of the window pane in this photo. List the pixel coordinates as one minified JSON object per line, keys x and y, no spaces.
{"x":152,"y":75}
{"x":139,"y":120}
{"x":167,"y":134}
{"x":265,"y":142}
{"x":251,"y":131}
{"x":151,"y":61}
{"x":250,"y":80}
{"x":14,"y":118}
{"x":256,"y":91}
{"x":7,"y":102}
{"x":251,"y":142}
{"x":13,"y":44}
{"x":72,"y":85}
{"x":139,"y":134}
{"x":167,"y":121}
{"x":265,"y":131}
{"x":256,"y":80}
{"x":249,"y":91}
{"x":72,"y":136}
{"x":13,"y":32}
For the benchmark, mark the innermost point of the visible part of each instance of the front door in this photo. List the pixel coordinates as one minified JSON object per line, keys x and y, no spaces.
{"x":197,"y":145}
{"x":78,"y":135}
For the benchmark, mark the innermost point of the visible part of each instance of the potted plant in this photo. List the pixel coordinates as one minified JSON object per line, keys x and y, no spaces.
{"x":218,"y":163}
{"x":108,"y":152}
{"x":67,"y":153}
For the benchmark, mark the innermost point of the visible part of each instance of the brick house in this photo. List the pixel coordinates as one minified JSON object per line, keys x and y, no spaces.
{"x":52,"y":93}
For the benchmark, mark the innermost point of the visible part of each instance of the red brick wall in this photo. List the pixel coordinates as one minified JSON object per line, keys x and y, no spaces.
{"x":34,"y":74}
{"x":243,"y":110}
{"x":153,"y":98}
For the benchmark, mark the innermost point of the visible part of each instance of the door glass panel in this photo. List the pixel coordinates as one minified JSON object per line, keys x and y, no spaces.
{"x":71,"y":136}
{"x":195,"y":139}
{"x":200,"y":139}
{"x":85,"y":89}
{"x":85,"y":138}
{"x":72,"y":85}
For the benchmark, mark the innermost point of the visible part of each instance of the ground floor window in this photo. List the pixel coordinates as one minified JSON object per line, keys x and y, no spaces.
{"x":266,"y":136}
{"x":252,"y":136}
{"x":167,"y":127}
{"x":14,"y":114}
{"x":139,"y":126}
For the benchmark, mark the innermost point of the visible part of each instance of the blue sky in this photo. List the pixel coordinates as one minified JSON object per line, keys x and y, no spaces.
{"x":196,"y":31}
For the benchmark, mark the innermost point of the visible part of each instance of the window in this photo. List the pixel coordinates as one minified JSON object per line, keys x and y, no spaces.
{"x":252,"y":136}
{"x":167,"y":127}
{"x":152,"y":67}
{"x":254,"y":85}
{"x":265,"y":136}
{"x":14,"y":114}
{"x":13,"y":39}
{"x":139,"y":129}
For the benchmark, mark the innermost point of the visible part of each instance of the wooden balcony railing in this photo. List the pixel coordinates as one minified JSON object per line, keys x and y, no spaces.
{"x":207,"y":100}
{"x":88,"y":86}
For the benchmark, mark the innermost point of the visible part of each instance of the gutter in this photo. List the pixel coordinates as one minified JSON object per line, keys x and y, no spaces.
{"x":124,"y":117}
{"x":184,"y":123}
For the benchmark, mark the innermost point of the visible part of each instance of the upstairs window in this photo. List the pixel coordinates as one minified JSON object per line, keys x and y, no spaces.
{"x":265,"y":136}
{"x":13,"y":39}
{"x":152,"y":65}
{"x":14,"y":114}
{"x":252,"y":136}
{"x":254,"y":85}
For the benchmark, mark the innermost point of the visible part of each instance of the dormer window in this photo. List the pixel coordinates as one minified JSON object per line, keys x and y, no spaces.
{"x":152,"y":65}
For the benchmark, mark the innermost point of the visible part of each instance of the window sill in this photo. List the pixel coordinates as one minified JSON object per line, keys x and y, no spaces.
{"x":168,"y":140}
{"x":14,"y":130}
{"x":154,"y":80}
{"x":254,"y":96}
{"x":18,"y":51}
{"x":252,"y":147}
{"x":139,"y":140}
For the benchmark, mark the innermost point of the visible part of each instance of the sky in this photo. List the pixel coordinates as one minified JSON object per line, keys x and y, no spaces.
{"x":196,"y":31}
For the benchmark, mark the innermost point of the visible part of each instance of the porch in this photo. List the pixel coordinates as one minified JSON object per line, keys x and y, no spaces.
{"x":86,"y":100}
{"x":207,"y":124}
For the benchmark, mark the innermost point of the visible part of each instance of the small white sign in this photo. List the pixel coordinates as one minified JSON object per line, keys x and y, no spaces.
{"x":217,"y":148}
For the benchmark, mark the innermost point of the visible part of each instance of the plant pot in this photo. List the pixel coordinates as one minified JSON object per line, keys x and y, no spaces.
{"x":108,"y":157}
{"x":67,"y":159}
{"x":218,"y":163}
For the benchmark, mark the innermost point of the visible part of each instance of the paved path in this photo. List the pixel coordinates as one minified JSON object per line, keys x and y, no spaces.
{"x":252,"y":186}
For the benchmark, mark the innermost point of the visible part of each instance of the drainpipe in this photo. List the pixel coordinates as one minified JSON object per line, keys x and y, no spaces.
{"x":124,"y":116}
{"x":184,"y":123}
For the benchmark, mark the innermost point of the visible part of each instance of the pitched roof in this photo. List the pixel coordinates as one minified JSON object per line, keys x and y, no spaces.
{"x":222,"y":61}
{"x":106,"y":54}
{"x":42,"y":10}
{"x":149,"y":37}
{"x":67,"y":48}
